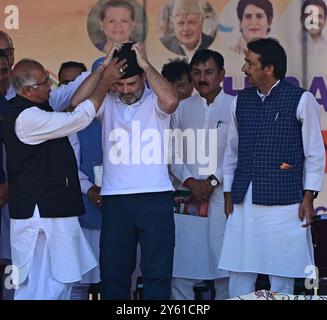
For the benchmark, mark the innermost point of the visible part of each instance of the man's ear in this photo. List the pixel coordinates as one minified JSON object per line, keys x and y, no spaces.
{"x":27,"y":91}
{"x":270,"y":70}
{"x":222,"y":72}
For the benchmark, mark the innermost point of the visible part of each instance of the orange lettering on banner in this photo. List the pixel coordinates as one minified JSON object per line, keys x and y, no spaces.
{"x":324,"y":135}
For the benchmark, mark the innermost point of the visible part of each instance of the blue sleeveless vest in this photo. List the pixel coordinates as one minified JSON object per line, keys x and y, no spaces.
{"x":269,"y":135}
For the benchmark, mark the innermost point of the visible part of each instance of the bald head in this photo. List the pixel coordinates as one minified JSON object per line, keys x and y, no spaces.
{"x":7,"y":45}
{"x":25,"y":73}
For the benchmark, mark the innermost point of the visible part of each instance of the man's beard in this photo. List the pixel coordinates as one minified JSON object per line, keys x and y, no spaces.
{"x":132,"y":98}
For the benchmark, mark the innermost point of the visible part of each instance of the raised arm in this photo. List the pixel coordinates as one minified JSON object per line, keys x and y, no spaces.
{"x":167,"y":97}
{"x":34,"y":126}
{"x":89,"y":84}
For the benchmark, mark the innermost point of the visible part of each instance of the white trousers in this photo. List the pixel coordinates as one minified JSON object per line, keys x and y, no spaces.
{"x":243,"y":283}
{"x":40,"y":284}
{"x":182,"y":289}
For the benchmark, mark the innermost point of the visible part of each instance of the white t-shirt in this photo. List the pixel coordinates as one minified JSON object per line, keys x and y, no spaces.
{"x":135,"y":141}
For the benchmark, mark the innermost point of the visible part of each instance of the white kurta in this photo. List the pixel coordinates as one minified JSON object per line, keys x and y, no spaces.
{"x":271,"y":239}
{"x":92,"y":235}
{"x":198,"y":240}
{"x":59,"y":99}
{"x":70,"y":253}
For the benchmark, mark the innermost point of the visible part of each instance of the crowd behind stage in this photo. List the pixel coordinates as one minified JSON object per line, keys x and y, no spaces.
{"x":84,"y":202}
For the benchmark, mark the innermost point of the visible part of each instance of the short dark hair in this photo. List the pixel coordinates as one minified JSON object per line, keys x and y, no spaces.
{"x":318,"y":3}
{"x":5,"y":35}
{"x":271,"y":53}
{"x":72,"y":64}
{"x":173,"y":70}
{"x":3,"y":55}
{"x":117,"y":4}
{"x":202,"y":56}
{"x":265,"y":5}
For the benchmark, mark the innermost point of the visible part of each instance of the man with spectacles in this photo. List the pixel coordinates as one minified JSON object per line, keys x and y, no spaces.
{"x":45,"y":198}
{"x":6,"y":44}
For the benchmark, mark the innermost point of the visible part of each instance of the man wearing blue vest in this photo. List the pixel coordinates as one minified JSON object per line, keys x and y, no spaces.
{"x":273,"y":167}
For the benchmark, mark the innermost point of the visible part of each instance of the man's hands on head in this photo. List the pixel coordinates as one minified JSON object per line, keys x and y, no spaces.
{"x":110,"y":54}
{"x":141,"y":56}
{"x":114,"y":71}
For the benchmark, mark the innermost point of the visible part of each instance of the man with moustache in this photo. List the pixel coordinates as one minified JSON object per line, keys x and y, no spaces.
{"x":199,"y":239}
{"x":273,"y":167}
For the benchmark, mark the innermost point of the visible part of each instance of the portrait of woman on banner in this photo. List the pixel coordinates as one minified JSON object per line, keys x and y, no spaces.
{"x":255,"y":19}
{"x":116,"y":21}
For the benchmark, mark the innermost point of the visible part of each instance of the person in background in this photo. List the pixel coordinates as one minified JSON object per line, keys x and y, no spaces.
{"x":69,"y":71}
{"x":88,"y":151}
{"x":7,"y":92}
{"x":177,"y":72}
{"x":199,"y":236}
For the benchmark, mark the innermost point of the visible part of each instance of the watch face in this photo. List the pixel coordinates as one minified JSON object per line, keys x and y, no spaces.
{"x":214,"y":183}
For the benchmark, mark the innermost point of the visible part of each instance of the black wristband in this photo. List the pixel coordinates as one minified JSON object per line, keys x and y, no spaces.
{"x":314,"y":193}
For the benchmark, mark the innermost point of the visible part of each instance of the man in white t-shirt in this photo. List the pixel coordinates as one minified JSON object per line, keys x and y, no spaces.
{"x":136,"y":189}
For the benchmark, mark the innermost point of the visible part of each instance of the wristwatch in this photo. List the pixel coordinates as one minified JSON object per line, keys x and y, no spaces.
{"x":213,"y":181}
{"x":314,"y":193}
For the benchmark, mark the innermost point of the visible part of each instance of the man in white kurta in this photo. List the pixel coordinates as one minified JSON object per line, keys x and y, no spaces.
{"x":271,"y":239}
{"x":49,"y":254}
{"x":199,"y":239}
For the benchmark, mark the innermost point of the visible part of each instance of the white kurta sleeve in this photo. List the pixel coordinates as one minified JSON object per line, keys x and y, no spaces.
{"x":178,"y":168}
{"x":308,"y":112}
{"x":60,"y":98}
{"x":34,"y":126}
{"x":231,"y":152}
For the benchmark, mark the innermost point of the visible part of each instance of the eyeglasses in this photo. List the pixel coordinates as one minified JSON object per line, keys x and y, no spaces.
{"x":41,"y":83}
{"x":8,"y":51}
